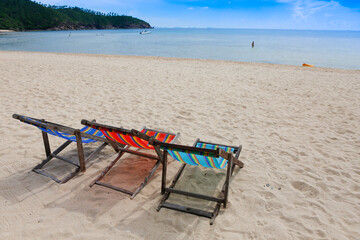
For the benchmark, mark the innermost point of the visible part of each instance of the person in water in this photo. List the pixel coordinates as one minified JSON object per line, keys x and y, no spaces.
{"x":253,"y":44}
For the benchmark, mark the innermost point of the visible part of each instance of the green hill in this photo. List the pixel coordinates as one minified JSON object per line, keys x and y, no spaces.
{"x":28,"y":15}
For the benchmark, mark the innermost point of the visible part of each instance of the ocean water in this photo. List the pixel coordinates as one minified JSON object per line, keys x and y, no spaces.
{"x":334,"y":49}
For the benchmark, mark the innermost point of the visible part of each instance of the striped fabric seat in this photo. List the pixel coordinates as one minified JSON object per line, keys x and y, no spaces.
{"x":86,"y":129}
{"x":196,"y":159}
{"x":128,"y":139}
{"x":122,"y":140}
{"x":205,"y":154}
{"x":79,"y":136}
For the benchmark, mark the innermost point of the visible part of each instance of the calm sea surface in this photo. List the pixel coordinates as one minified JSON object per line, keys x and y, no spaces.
{"x":335,"y":49}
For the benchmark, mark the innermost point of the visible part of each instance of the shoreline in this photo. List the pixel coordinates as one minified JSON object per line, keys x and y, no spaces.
{"x":187,"y":59}
{"x":6,"y":31}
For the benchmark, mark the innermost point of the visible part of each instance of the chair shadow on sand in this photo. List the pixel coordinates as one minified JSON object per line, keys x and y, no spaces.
{"x":26,"y":183}
{"x":94,"y":202}
{"x":204,"y":181}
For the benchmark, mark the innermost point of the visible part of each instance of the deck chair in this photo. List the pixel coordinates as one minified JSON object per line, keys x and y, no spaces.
{"x":125,"y":138}
{"x":203,"y":154}
{"x":80,"y":136}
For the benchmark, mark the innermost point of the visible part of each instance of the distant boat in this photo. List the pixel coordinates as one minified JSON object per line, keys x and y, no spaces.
{"x":145,"y":32}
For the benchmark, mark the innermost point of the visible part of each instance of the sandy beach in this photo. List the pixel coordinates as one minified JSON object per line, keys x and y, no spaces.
{"x":5,"y":31}
{"x":299,"y":128}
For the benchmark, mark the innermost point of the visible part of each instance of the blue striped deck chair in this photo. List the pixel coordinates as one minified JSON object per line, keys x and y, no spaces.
{"x":204,"y":154}
{"x":80,"y":136}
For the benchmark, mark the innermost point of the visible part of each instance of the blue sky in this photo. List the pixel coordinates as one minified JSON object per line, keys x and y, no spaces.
{"x":258,"y":14}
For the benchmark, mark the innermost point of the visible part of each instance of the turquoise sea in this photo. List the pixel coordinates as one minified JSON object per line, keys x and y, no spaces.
{"x":334,"y":49}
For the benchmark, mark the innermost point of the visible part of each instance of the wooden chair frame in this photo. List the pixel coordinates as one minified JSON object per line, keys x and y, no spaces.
{"x":222,"y":199}
{"x":121,"y":149}
{"x":81,"y":166}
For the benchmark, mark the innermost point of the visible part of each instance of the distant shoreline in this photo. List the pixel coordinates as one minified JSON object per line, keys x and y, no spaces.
{"x":6,"y":30}
{"x":260,"y":64}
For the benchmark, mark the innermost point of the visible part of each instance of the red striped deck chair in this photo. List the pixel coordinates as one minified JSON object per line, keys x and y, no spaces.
{"x":126,"y":139}
{"x":80,"y":136}
{"x":204,"y":154}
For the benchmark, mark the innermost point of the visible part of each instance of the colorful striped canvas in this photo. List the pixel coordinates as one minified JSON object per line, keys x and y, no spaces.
{"x":67,"y":136}
{"x":214,"y":146}
{"x":200,"y":159}
{"x":128,"y":139}
{"x":71,"y":137}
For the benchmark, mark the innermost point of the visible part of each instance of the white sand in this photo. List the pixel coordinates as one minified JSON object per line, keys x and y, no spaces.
{"x":299,"y":128}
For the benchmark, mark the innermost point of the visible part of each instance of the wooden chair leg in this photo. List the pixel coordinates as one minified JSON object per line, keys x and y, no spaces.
{"x":80,"y":149}
{"x":227,"y":180}
{"x":163,"y":179}
{"x":46,"y":143}
{"x":215,"y":213}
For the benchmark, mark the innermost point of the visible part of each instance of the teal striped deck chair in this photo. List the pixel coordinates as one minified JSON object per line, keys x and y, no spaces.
{"x":79,"y":136}
{"x":204,"y":154}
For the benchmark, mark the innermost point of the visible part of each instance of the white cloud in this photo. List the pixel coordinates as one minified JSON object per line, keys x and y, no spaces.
{"x":322,"y":14}
{"x":286,"y":1}
{"x":305,"y":8}
{"x":201,"y":8}
{"x":302,"y":9}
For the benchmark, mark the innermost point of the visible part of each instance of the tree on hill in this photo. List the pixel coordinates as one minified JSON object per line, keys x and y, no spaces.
{"x":29,"y":15}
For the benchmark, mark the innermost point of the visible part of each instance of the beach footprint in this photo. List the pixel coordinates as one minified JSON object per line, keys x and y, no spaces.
{"x":305,"y":188}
